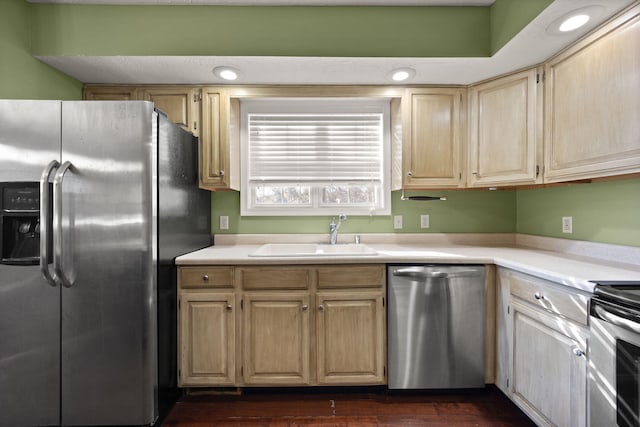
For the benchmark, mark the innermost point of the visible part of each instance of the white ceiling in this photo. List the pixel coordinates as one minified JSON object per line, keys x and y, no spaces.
{"x":533,"y":45}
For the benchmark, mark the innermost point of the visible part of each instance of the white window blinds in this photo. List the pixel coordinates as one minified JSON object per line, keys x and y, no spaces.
{"x":315,"y":147}
{"x":313,"y":156}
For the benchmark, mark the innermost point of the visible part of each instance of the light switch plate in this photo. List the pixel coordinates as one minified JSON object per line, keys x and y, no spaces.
{"x":397,"y":222}
{"x":567,"y":224}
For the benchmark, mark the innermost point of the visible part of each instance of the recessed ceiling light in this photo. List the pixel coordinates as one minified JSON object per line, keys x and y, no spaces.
{"x":574,"y":19}
{"x":226,"y":73}
{"x":573,"y":22}
{"x":402,"y":74}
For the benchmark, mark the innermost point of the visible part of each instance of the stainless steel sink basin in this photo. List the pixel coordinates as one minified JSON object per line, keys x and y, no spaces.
{"x":312,"y":250}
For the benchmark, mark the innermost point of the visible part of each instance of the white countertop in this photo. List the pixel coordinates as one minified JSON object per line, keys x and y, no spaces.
{"x":570,"y":270}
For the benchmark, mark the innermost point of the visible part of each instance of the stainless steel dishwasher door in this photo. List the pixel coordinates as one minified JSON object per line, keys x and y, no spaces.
{"x":436,"y":326}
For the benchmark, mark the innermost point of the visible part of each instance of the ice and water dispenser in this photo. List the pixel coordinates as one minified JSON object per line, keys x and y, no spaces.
{"x":20,"y":223}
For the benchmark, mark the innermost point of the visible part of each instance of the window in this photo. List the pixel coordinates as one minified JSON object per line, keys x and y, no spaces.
{"x":315,"y":156}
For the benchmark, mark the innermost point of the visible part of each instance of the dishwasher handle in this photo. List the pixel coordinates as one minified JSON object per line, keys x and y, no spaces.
{"x":423,"y":275}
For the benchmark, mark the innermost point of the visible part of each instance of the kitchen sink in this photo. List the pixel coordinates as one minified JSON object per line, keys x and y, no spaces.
{"x":312,"y":250}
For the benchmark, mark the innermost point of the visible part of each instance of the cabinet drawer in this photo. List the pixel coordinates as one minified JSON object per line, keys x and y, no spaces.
{"x":572,"y":305}
{"x":205,"y":277}
{"x":274,"y":278}
{"x":350,"y":276}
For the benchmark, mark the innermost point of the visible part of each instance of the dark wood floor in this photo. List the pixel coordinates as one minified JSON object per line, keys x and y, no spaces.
{"x":488,"y":407}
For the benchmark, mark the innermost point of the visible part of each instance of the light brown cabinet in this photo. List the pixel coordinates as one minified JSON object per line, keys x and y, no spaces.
{"x":433,"y":131}
{"x":505,"y":131}
{"x":206,"y":326}
{"x":179,"y":103}
{"x":215,"y":156}
{"x":110,"y":93}
{"x":350,"y":335}
{"x":592,"y":106}
{"x":542,"y":348}
{"x":282,"y":325}
{"x":276,"y":338}
{"x":207,"y":339}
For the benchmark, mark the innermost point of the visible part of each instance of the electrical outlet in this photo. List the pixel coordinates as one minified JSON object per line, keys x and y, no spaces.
{"x":224,"y":222}
{"x":567,"y":224}
{"x":424,"y":221}
{"x":397,"y":222}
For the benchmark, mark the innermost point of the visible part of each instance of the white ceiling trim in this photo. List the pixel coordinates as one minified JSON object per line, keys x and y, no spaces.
{"x":532,"y":46}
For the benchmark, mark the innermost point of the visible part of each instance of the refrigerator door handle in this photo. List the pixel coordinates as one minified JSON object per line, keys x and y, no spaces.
{"x":57,"y":225}
{"x":44,"y":222}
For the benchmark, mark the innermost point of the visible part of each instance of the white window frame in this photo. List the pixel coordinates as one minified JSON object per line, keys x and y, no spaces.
{"x":315,"y":105}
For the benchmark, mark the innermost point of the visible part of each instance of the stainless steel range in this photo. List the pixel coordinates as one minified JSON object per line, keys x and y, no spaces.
{"x":614,"y":370}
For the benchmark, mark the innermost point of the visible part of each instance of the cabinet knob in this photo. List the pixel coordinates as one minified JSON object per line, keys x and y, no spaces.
{"x":321,"y":307}
{"x":305,"y":307}
{"x":538,"y":296}
{"x":474,"y":173}
{"x":409,"y":173}
{"x":221,"y":173}
{"x":205,"y":277}
{"x":229,"y":307}
{"x":578,"y":352}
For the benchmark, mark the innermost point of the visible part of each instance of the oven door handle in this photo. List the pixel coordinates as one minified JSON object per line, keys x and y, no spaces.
{"x":617,"y":319}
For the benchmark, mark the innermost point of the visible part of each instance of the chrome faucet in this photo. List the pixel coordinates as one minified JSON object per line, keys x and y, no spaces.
{"x":333,"y":228}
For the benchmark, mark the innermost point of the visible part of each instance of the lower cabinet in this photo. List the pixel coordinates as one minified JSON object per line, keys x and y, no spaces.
{"x":549,"y":368}
{"x":207,"y":339}
{"x":543,"y":348}
{"x":282,"y":325}
{"x":276,"y":338}
{"x":350,"y":334}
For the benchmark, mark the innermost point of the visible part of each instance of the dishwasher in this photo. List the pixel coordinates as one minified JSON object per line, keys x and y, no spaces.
{"x":435,"y":319}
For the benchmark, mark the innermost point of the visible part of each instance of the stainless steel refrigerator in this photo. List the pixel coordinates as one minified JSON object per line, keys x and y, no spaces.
{"x":98,"y":198}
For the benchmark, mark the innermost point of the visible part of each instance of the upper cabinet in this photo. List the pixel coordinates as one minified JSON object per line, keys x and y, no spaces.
{"x":433,"y":128}
{"x":592,"y":111}
{"x":110,"y":93}
{"x":179,"y":103}
{"x":505,"y":131}
{"x":215,"y":139}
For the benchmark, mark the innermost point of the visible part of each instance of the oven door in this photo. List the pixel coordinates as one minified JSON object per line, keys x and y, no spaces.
{"x":614,"y":366}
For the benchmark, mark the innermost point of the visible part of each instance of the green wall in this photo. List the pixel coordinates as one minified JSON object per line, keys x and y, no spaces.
{"x":509,"y":17}
{"x":339,"y":31}
{"x":22,"y":76}
{"x":463,"y":212}
{"x":607,"y":212}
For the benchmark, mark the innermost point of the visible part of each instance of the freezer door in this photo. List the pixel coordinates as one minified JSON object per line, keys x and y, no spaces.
{"x":109,"y":308}
{"x":29,"y":307}
{"x":184,"y":225}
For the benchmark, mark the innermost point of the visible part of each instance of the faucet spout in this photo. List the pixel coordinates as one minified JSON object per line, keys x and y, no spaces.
{"x":334,"y":227}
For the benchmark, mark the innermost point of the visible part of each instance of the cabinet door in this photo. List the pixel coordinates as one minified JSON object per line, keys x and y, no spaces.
{"x":180,"y":104}
{"x":433,"y":130}
{"x":549,"y":368}
{"x":214,"y":164}
{"x":276,"y":338}
{"x":350,"y":330}
{"x":110,"y":93}
{"x":503,"y":332}
{"x":592,"y":111}
{"x":505,"y":138}
{"x":207,"y":340}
